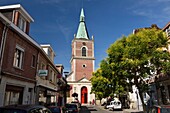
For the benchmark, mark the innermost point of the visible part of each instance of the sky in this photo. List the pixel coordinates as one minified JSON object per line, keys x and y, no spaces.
{"x":56,"y":22}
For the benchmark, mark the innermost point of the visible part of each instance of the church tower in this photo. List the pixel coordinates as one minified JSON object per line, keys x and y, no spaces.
{"x":82,"y":63}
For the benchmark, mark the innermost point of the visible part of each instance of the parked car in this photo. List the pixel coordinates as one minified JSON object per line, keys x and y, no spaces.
{"x":71,"y":108}
{"x":24,"y":109}
{"x":114,"y":105}
{"x":55,"y":109}
{"x":160,"y":109}
{"x":77,"y":103}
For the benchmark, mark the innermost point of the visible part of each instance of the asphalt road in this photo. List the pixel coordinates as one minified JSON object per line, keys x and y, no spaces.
{"x":96,"y":109}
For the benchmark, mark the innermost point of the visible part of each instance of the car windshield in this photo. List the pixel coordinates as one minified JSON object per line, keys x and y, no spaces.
{"x":12,"y":111}
{"x":71,"y":106}
{"x":55,"y":110}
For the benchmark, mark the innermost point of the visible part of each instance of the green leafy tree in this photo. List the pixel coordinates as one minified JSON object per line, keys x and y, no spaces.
{"x":138,"y":56}
{"x":99,"y":84}
{"x":104,"y":81}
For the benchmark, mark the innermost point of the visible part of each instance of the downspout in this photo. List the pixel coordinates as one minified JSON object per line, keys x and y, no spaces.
{"x":36,"y":83}
{"x":2,"y":47}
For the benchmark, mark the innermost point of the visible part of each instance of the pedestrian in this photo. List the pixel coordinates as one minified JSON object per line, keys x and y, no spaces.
{"x":93,"y":103}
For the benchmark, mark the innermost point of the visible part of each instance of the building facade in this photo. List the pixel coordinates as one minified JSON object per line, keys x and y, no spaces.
{"x":18,"y":54}
{"x":28,"y":74}
{"x":160,"y":84}
{"x":82,"y":64}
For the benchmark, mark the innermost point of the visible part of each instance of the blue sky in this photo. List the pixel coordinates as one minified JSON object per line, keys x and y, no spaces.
{"x":56,"y":21}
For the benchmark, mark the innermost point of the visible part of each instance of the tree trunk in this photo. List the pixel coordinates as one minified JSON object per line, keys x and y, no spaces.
{"x":140,"y":93}
{"x":142,"y":99}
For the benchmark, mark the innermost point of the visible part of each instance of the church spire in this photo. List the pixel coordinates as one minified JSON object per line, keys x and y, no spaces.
{"x":82,"y":16}
{"x":82,"y":30}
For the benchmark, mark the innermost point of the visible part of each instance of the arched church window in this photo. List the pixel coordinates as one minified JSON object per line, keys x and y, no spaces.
{"x":83,"y":51}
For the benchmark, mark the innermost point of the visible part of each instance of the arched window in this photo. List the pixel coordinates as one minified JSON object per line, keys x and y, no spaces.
{"x":83,"y":51}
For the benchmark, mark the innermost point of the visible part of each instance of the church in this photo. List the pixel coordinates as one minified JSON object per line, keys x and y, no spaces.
{"x":82,"y":64}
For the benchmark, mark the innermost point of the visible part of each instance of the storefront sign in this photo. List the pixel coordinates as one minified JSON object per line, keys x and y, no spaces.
{"x":43,"y":72}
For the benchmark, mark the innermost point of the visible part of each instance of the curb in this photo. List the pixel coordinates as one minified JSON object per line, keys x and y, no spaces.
{"x":132,"y":111}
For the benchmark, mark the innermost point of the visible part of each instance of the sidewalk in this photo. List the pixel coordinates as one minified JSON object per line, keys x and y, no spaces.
{"x":131,"y":111}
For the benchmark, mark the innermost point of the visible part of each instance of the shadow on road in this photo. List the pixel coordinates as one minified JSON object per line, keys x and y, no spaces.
{"x":85,"y":109}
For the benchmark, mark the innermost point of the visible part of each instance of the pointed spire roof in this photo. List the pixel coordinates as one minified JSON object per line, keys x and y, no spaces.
{"x":82,"y":30}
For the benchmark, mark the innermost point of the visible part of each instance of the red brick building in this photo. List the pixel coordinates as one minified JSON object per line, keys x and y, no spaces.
{"x":18,"y":57}
{"x":82,"y":64}
{"x":28,"y":74}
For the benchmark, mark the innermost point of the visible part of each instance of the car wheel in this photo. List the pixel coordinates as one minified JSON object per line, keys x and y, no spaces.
{"x":110,"y":109}
{"x":113,"y":109}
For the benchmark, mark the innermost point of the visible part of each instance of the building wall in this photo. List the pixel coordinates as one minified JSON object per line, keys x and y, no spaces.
{"x":83,"y":71}
{"x":22,"y":78}
{"x":22,"y":83}
{"x":27,"y":70}
{"x":27,"y":98}
{"x":83,"y":43}
{"x":1,"y":31}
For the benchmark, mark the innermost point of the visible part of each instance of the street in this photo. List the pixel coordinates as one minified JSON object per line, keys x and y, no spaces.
{"x":96,"y":109}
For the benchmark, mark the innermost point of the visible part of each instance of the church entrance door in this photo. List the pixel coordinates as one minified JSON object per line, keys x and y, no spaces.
{"x":84,"y":95}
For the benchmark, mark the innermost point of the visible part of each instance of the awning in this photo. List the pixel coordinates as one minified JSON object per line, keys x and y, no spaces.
{"x":49,"y":88}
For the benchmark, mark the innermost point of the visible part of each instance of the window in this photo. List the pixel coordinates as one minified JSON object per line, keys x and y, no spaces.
{"x":11,"y":98}
{"x":22,"y":24}
{"x":33,"y":61}
{"x":168,"y":32}
{"x":18,"y":57}
{"x":83,"y":51}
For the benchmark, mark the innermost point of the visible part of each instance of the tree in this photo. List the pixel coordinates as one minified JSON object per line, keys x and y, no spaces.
{"x":99,"y":85}
{"x":139,"y":56}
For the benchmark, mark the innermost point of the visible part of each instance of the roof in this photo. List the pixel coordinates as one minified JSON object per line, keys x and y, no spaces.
{"x":83,"y":79}
{"x":166,"y":26}
{"x":82,"y":32}
{"x":21,"y":9}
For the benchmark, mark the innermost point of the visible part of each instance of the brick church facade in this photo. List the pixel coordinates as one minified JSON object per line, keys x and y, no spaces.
{"x":82,"y":64}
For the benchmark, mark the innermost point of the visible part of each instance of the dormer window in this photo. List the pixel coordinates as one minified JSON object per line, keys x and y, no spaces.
{"x":22,"y":23}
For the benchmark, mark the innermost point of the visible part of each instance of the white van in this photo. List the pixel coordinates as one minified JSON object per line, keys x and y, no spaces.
{"x":115,"y":104}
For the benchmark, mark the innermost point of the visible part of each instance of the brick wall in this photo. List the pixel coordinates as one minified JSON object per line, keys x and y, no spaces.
{"x":83,"y":66}
{"x":27,"y":70}
{"x":84,"y":71}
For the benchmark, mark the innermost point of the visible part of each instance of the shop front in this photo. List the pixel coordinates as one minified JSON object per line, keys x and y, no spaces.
{"x":46,"y":96}
{"x":13,"y":95}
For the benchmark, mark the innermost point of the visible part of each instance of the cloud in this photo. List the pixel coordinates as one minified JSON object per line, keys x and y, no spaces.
{"x":66,"y":31}
{"x":155,"y":10}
